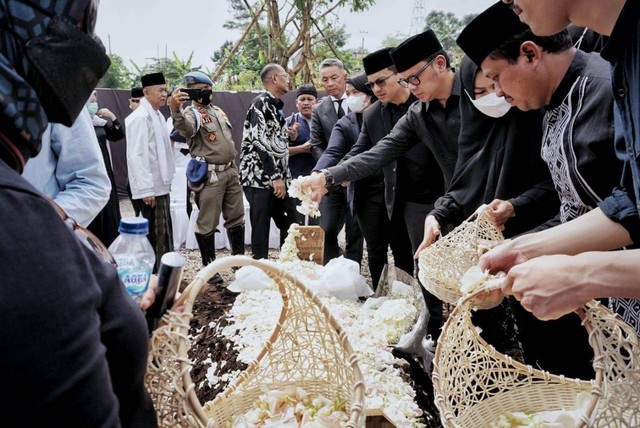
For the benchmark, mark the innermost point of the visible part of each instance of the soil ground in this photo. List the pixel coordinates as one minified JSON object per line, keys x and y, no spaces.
{"x":209,"y":318}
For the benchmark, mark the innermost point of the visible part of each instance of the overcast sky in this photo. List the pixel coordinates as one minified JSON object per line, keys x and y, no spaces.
{"x":141,"y":29}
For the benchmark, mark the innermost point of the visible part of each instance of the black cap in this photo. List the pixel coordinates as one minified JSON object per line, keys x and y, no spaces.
{"x":415,"y":49}
{"x":136,"y":92}
{"x":488,"y":31}
{"x":306,"y":90}
{"x":153,"y":79}
{"x":378,"y":60}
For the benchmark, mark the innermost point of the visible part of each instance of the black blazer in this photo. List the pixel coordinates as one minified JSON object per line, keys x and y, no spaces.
{"x":413,"y":128}
{"x":343,"y":137}
{"x":323,"y":119}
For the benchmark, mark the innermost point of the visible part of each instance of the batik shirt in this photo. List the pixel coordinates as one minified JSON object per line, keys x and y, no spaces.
{"x":264,"y":154}
{"x":578,"y":139}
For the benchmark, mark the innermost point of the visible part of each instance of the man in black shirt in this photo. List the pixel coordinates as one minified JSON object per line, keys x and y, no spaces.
{"x":433,"y":120}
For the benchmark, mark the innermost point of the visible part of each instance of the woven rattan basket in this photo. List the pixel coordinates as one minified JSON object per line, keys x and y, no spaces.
{"x":308,"y":348}
{"x":474,"y":384}
{"x":442,"y":264}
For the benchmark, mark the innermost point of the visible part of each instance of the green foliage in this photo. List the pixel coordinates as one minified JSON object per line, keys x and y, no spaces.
{"x":391,"y":41}
{"x":173,"y":68}
{"x":326,"y":40}
{"x":447,"y":27}
{"x":468,"y":18}
{"x":117,"y":76}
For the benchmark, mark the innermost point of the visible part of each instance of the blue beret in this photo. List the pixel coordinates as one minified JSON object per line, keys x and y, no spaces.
{"x":197,"y":77}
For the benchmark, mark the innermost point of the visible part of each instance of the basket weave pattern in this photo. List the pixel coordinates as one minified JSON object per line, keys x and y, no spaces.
{"x":308,"y":348}
{"x":474,"y":384}
{"x":442,"y":264}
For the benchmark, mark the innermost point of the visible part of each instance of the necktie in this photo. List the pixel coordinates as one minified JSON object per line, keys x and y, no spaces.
{"x":340,"y":110}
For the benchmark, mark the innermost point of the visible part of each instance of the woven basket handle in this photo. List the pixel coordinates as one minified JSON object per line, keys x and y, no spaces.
{"x":477,"y":213}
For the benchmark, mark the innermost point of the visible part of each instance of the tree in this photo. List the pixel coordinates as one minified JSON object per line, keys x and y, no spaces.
{"x":173,"y":68}
{"x":117,"y":76}
{"x":292,"y":33}
{"x":447,"y":27}
{"x":391,"y":41}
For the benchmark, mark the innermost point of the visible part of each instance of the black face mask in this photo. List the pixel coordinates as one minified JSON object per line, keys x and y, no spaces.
{"x":205,"y":97}
{"x":67,"y":64}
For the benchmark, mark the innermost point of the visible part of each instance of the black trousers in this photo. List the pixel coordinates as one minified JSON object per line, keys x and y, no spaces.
{"x":400,"y":243}
{"x":264,"y":206}
{"x":160,"y":227}
{"x":414,"y":215}
{"x":335,"y":214}
{"x":371,"y":213}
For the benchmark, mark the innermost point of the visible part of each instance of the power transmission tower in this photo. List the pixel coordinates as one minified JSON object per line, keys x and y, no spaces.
{"x":418,"y":17}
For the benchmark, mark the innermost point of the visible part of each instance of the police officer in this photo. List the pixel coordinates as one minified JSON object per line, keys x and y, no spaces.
{"x":208,"y":133}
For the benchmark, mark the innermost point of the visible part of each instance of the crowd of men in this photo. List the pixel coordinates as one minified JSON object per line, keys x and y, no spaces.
{"x":538,"y":123}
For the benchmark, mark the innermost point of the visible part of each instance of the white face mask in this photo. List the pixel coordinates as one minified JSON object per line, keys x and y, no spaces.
{"x":491,"y":105}
{"x":356,"y":102}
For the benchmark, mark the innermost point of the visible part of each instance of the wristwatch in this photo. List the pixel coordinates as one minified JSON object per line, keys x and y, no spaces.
{"x":328,"y":177}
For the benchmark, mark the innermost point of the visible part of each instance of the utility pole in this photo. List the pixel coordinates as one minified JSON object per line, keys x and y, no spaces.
{"x":418,"y":17}
{"x":362,"y":33}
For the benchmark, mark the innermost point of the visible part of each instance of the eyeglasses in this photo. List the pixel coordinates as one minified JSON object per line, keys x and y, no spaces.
{"x":414,"y":79}
{"x":87,"y":238}
{"x":134,"y":101}
{"x":380,"y":82}
{"x":282,"y":75}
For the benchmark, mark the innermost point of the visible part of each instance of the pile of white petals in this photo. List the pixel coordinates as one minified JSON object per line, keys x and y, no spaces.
{"x":292,"y":408}
{"x":298,"y":190}
{"x":550,"y":419}
{"x":372,"y":329}
{"x":289,"y":249}
{"x":475,"y":278}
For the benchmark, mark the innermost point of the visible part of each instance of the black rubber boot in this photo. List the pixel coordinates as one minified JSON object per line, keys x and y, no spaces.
{"x":236,"y":239}
{"x":207,"y":245}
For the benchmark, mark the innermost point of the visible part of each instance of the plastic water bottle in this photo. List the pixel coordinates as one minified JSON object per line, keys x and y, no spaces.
{"x":134,"y":255}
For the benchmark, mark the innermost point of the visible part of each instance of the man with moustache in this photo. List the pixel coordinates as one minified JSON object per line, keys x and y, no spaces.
{"x":301,"y":161}
{"x":150,"y":163}
{"x":208,"y":132}
{"x":334,"y":208}
{"x":578,"y":245}
{"x":433,"y":120}
{"x":574,"y":88}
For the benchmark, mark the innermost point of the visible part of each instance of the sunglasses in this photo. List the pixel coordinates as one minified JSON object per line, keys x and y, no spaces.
{"x":134,"y":101}
{"x":87,"y":238}
{"x":380,"y":82}
{"x":414,"y":79}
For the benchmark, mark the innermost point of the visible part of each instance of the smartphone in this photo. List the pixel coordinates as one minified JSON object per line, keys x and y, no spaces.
{"x":194,"y":94}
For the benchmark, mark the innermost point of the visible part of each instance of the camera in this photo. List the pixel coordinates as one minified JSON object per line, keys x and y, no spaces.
{"x":194,"y":94}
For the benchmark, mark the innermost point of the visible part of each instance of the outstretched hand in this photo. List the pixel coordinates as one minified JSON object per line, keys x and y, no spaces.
{"x":548,"y":286}
{"x":316,"y":182}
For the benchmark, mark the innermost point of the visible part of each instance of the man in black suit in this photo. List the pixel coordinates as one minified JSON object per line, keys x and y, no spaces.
{"x":433,"y":120}
{"x":381,"y":219}
{"x":334,"y":209}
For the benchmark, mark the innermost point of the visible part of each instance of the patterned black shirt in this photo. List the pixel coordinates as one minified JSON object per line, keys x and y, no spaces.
{"x":264,"y":154}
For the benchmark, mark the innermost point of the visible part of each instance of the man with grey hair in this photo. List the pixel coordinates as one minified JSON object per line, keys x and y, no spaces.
{"x":264,"y":161}
{"x":334,"y":208}
{"x":150,"y":163}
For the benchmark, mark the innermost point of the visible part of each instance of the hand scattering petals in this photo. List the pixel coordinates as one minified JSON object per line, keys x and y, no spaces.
{"x":298,"y":189}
